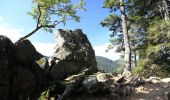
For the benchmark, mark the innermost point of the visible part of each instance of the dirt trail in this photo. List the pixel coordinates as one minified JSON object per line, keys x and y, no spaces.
{"x":151,"y":91}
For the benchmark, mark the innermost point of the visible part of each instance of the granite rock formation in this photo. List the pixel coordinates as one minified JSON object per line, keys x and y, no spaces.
{"x":25,"y":73}
{"x":73,"y":53}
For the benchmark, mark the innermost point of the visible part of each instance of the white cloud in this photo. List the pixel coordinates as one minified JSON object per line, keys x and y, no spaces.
{"x":5,"y":29}
{"x":1,"y":18}
{"x":111,"y":54}
{"x":45,"y":48}
{"x":12,"y":33}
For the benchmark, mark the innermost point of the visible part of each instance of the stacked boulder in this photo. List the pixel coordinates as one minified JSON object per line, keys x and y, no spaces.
{"x":25,"y":73}
{"x":73,"y":53}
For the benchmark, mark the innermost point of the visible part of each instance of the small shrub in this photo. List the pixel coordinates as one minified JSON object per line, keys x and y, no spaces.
{"x":146,"y":69}
{"x":142,"y":68}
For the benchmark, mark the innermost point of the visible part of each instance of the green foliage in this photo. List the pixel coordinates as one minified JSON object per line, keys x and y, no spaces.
{"x":146,"y":69}
{"x":54,"y":90}
{"x":134,"y":18}
{"x":149,"y":34}
{"x":44,"y":95}
{"x":113,"y":22}
{"x":111,"y":4}
{"x":120,"y":69}
{"x":152,"y":37}
{"x":157,"y":50}
{"x":146,"y":9}
{"x":142,"y":69}
{"x":53,"y":12}
{"x":159,"y":32}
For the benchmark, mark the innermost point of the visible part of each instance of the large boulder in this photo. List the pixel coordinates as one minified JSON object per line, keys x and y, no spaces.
{"x":73,"y":53}
{"x":5,"y":64}
{"x":25,"y":73}
{"x":24,"y":52}
{"x":21,"y":73}
{"x":31,"y":70}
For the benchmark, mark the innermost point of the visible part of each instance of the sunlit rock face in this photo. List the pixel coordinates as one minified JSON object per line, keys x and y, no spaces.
{"x":73,"y":52}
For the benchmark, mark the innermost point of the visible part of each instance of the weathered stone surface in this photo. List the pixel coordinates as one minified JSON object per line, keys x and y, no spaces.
{"x":165,"y":82}
{"x":24,"y":52}
{"x":73,"y":53}
{"x":25,"y":73}
{"x":91,"y":84}
{"x":92,"y":89}
{"x":102,"y":77}
{"x":20,"y":74}
{"x":138,"y":81}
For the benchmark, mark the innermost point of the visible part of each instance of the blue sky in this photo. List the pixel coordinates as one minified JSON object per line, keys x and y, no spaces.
{"x":13,"y":17}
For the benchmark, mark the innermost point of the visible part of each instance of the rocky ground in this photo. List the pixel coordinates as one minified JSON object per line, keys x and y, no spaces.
{"x":155,"y":89}
{"x":102,"y":86}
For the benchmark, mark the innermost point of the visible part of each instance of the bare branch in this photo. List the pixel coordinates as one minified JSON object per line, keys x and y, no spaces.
{"x":48,"y":26}
{"x":56,"y":11}
{"x":58,"y":22}
{"x":28,"y":35}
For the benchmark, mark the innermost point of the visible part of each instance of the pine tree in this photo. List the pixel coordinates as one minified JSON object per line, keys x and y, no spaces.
{"x":116,"y":24}
{"x":154,"y":19}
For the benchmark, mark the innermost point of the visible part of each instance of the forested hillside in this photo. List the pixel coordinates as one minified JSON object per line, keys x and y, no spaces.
{"x":107,"y":65}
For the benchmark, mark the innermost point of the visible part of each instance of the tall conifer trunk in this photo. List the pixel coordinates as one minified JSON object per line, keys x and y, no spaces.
{"x":127,"y":57}
{"x":166,"y":10}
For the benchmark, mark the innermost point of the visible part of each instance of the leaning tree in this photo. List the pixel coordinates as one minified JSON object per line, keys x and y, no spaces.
{"x":49,"y":13}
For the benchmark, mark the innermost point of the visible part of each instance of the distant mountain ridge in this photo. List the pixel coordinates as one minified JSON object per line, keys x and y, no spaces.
{"x":106,"y":64}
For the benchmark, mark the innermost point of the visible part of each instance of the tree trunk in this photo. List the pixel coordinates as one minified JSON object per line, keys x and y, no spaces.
{"x":166,"y":10}
{"x":135,"y":60}
{"x":127,"y":57}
